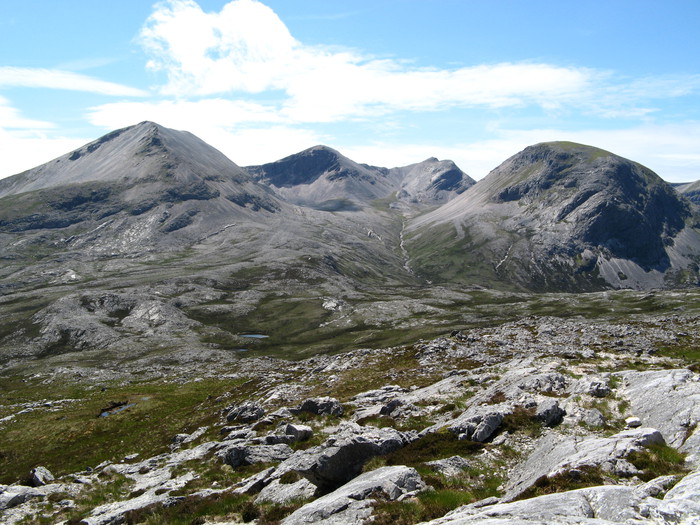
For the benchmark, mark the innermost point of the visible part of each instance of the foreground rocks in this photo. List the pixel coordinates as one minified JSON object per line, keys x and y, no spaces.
{"x":533,"y":416}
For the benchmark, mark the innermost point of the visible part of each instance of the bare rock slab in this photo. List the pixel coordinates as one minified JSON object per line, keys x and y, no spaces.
{"x":352,"y":502}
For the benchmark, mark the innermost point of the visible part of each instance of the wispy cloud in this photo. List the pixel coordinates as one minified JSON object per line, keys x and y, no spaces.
{"x":25,"y":143}
{"x":11,"y":118}
{"x":206,"y":113}
{"x":60,"y":79}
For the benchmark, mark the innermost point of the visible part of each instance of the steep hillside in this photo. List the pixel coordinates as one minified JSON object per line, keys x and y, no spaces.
{"x":561,"y":216}
{"x":432,"y":181}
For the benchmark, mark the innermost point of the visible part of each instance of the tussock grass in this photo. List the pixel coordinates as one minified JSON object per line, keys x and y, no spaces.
{"x":74,"y":437}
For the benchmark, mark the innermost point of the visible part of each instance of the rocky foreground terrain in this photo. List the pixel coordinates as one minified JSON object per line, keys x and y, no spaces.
{"x":540,"y":420}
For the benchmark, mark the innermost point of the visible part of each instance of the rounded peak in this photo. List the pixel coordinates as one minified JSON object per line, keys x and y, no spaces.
{"x":568,"y":148}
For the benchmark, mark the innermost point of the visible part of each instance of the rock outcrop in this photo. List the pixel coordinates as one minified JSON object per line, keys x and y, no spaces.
{"x":352,"y":503}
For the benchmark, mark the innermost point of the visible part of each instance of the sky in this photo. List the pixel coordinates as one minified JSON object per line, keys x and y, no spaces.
{"x":385,"y":82}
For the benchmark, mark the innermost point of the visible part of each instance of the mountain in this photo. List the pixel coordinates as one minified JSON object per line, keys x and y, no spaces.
{"x":690,"y":191}
{"x":561,"y":216}
{"x":432,"y":181}
{"x":148,"y":244}
{"x":143,"y":188}
{"x":322,"y":178}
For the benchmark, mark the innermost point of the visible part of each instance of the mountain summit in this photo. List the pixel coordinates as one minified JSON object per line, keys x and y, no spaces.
{"x":561,"y":214}
{"x":321,"y":177}
{"x":135,"y":186}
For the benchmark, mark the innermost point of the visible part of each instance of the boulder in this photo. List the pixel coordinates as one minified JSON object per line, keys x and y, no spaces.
{"x":452,"y":466}
{"x":40,"y":476}
{"x":343,"y":455}
{"x":380,"y":395}
{"x":556,"y":455}
{"x":603,"y":505}
{"x":390,"y":408}
{"x":549,"y":412}
{"x":320,"y":406}
{"x":298,"y":432}
{"x":593,"y":418}
{"x":593,"y":386}
{"x":633,"y":422}
{"x":352,"y":502}
{"x":16,"y":495}
{"x":242,"y":454}
{"x":681,"y":504}
{"x":668,"y":400}
{"x":246,"y":412}
{"x":280,"y":493}
{"x":479,"y":423}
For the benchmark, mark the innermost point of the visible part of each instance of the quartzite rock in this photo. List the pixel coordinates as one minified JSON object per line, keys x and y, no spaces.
{"x":549,"y":412}
{"x":40,"y":476}
{"x":351,"y":504}
{"x":343,"y":455}
{"x":238,"y":455}
{"x":555,"y":455}
{"x":320,"y":406}
{"x":246,"y":412}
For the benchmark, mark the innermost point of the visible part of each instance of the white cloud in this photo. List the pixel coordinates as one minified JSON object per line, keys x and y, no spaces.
{"x":58,"y":79}
{"x":25,"y":143}
{"x":11,"y":118}
{"x":246,"y":48}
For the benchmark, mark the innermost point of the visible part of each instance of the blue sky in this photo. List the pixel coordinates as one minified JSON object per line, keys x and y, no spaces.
{"x":386,"y":82}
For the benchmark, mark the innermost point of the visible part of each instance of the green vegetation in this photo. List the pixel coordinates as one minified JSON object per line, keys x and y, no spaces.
{"x":195,"y":510}
{"x":74,"y":436}
{"x":397,"y":366}
{"x":476,"y":482}
{"x":585,"y":476}
{"x":456,"y":263}
{"x":522,"y":420}
{"x":658,"y":459}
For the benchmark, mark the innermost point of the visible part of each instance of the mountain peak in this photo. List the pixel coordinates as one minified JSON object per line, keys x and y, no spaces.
{"x":143,"y":151}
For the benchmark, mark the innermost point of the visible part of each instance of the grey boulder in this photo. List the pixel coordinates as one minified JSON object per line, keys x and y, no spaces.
{"x":603,"y":505}
{"x":320,"y":406}
{"x":40,"y":476}
{"x":281,"y":493}
{"x":246,"y":412}
{"x":238,"y":455}
{"x":352,"y":502}
{"x":549,"y":412}
{"x":343,"y":455}
{"x":555,"y":456}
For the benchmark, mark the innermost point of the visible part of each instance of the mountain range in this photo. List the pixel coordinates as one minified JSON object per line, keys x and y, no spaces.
{"x":150,"y":233}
